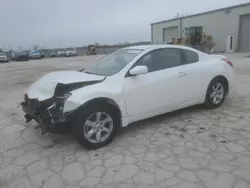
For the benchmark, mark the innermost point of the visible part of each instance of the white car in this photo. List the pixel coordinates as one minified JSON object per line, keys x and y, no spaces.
{"x":61,"y":53}
{"x":70,"y":53}
{"x":3,"y":57}
{"x":34,"y":54}
{"x":125,"y":86}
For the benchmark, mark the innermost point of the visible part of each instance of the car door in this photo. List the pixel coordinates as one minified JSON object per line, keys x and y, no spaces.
{"x":150,"y":94}
{"x":191,"y":73}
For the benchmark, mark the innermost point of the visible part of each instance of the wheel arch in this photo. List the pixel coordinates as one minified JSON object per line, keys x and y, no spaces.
{"x":226,"y":84}
{"x":221,"y":77}
{"x":102,"y":101}
{"x":224,"y":79}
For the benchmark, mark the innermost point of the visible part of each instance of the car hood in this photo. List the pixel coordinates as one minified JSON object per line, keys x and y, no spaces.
{"x":44,"y":87}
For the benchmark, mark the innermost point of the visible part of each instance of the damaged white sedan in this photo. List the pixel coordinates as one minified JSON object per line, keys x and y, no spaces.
{"x":125,"y":86}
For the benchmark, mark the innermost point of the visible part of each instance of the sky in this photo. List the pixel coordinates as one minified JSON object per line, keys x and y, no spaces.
{"x":69,"y":23}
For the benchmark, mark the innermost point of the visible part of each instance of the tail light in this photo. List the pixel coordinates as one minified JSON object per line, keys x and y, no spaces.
{"x":228,"y":62}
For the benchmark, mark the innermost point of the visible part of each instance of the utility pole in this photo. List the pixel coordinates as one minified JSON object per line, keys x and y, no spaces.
{"x":3,"y":48}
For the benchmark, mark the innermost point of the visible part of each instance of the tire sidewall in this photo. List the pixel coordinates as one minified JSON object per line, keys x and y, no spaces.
{"x":208,"y":101}
{"x":80,"y":125}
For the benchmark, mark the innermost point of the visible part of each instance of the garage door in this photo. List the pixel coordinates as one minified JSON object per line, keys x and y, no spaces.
{"x":169,"y":33}
{"x":244,"y":33}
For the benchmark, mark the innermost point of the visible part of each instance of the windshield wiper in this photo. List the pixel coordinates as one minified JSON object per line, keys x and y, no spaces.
{"x":90,"y":72}
{"x":81,"y":70}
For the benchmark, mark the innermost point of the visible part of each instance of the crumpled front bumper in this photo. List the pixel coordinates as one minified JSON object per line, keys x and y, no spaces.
{"x":45,"y":113}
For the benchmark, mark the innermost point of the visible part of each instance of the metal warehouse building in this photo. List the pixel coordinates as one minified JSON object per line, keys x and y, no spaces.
{"x":230,"y":28}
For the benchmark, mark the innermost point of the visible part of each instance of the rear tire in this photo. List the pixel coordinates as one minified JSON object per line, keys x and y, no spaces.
{"x":81,"y":126}
{"x":216,"y":93}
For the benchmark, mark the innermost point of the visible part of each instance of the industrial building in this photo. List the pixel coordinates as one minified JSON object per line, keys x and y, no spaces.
{"x":229,"y":27}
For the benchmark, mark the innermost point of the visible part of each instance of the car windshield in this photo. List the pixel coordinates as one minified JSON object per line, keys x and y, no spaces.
{"x":112,"y":63}
{"x":1,"y":53}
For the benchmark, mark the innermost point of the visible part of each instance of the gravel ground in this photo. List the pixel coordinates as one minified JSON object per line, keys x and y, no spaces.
{"x":190,"y":148}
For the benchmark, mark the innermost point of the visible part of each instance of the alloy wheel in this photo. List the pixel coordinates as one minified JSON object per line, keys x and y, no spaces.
{"x":217,"y":93}
{"x":98,"y":127}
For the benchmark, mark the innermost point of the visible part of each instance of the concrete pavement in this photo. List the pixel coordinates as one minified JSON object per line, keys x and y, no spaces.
{"x":190,"y":148}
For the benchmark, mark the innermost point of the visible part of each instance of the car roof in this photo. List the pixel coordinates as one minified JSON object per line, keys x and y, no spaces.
{"x":142,"y":47}
{"x":158,"y":46}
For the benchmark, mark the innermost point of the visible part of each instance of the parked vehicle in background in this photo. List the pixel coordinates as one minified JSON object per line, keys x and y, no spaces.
{"x":61,"y":53}
{"x":21,"y":56}
{"x":3,"y":57}
{"x":91,"y":50}
{"x":125,"y":86}
{"x":70,"y":53}
{"x":42,"y":55}
{"x":35,"y":54}
{"x":12,"y":55}
{"x":52,"y":54}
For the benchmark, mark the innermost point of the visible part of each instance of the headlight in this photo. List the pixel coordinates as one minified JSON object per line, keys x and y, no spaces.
{"x":64,"y":96}
{"x":60,"y":100}
{"x":56,"y":110}
{"x":62,"y":92}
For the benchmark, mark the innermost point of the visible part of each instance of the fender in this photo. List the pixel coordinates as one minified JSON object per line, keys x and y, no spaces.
{"x":78,"y":100}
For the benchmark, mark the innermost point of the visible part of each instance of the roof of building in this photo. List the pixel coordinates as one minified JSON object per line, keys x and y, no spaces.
{"x":207,"y":12}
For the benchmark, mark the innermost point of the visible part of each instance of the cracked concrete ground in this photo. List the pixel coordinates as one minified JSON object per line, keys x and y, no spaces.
{"x":190,"y":148}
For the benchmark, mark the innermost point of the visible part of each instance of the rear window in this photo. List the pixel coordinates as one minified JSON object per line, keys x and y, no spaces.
{"x":1,"y":53}
{"x":190,"y":57}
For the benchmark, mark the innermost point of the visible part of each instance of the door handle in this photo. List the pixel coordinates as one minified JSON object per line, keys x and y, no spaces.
{"x":182,"y":74}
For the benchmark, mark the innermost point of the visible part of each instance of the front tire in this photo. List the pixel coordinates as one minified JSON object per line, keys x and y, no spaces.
{"x":216,"y":93}
{"x":96,"y":126}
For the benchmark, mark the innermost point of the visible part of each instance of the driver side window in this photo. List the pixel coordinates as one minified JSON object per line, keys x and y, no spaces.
{"x":161,"y":59}
{"x":146,"y":60}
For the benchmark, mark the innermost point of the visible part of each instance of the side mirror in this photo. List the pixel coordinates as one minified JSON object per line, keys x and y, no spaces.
{"x":137,"y":70}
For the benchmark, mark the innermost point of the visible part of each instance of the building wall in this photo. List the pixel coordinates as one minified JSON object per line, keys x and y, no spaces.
{"x":157,"y":30}
{"x":244,"y":33}
{"x":219,"y":24}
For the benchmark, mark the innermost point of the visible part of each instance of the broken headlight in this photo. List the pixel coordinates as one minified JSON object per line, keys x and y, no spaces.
{"x":59,"y":102}
{"x":62,"y":93}
{"x":56,"y":110}
{"x":64,"y":96}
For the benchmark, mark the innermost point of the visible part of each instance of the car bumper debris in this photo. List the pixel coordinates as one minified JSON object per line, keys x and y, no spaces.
{"x":47,"y":113}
